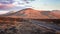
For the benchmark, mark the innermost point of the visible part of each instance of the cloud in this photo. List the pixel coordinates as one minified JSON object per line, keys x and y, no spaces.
{"x":3,"y":12}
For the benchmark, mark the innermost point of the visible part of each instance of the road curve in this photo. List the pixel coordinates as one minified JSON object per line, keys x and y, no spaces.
{"x":44,"y":25}
{"x":40,"y":23}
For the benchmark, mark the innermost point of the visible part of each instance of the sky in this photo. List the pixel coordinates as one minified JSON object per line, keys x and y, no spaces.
{"x":46,"y":4}
{"x":35,"y":4}
{"x":42,"y":4}
{"x":38,"y":4}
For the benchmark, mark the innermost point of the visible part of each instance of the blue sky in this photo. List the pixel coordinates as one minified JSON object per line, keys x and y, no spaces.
{"x":46,"y":4}
{"x":37,"y":4}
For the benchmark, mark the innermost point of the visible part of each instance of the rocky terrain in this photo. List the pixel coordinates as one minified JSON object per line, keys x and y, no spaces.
{"x":29,"y":21}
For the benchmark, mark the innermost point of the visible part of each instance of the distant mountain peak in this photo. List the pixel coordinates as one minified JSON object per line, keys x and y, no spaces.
{"x":26,"y":9}
{"x":29,"y":9}
{"x":34,"y":14}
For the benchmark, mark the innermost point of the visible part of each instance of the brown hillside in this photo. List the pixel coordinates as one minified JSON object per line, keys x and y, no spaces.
{"x":34,"y":14}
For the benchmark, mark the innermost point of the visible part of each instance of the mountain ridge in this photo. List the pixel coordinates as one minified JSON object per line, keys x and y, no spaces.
{"x":34,"y":14}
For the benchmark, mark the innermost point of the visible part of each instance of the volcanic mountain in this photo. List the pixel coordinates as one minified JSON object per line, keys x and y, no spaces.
{"x":34,"y":14}
{"x":13,"y":22}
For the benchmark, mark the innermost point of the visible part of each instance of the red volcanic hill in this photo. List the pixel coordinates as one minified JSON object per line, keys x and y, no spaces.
{"x":34,"y":14}
{"x":56,"y":13}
